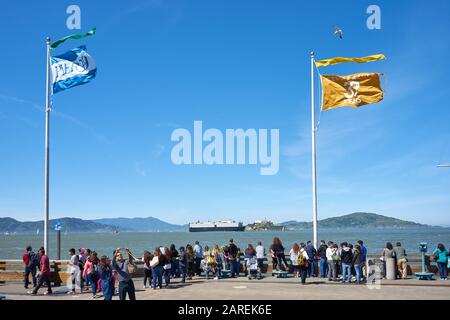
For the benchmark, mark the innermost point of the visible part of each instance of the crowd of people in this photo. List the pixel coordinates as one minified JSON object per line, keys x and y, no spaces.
{"x":343,"y":262}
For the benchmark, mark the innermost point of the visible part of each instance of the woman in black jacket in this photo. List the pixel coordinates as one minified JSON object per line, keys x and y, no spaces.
{"x":346,"y":259}
{"x":356,"y":261}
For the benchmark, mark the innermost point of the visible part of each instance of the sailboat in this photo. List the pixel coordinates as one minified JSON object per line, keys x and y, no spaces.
{"x":37,"y":231}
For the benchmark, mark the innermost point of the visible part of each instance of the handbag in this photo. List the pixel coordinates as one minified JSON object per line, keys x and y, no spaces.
{"x":154,"y":262}
{"x":167,"y":266}
{"x":131,"y":267}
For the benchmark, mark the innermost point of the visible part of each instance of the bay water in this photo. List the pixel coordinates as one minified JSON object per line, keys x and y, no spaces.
{"x":12,"y":246}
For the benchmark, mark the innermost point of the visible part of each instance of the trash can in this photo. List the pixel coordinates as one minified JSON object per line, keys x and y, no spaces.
{"x":390,"y":269}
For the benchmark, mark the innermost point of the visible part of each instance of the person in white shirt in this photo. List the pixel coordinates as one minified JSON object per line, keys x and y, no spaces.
{"x":260,"y":255}
{"x":332,"y":261}
{"x":198,"y":256}
{"x":294,"y":253}
{"x":74,"y":271}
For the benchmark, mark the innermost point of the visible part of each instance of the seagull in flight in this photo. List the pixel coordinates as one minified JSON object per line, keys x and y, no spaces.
{"x":338,"y":31}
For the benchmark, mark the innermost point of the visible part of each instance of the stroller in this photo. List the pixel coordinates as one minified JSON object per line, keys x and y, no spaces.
{"x":254,"y":272}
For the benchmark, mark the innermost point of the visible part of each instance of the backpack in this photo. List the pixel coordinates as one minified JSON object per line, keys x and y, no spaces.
{"x":335,"y":257}
{"x":210,"y":260}
{"x":301,"y":260}
{"x":34,"y":260}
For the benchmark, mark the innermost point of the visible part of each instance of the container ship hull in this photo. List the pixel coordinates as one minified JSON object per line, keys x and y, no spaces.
{"x":216,"y":226}
{"x":207,"y":229}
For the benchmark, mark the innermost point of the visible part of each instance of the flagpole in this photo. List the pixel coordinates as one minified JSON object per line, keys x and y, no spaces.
{"x":314,"y":186}
{"x":47,"y":150}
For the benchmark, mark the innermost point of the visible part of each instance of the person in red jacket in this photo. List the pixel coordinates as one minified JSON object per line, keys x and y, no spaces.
{"x":44,"y":273}
{"x":29,"y":259}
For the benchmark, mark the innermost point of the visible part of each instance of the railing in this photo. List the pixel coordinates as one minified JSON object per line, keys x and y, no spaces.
{"x":13,"y":270}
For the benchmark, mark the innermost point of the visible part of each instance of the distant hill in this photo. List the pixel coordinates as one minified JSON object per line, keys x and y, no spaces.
{"x":354,"y":220}
{"x":142,"y":224}
{"x":70,"y":224}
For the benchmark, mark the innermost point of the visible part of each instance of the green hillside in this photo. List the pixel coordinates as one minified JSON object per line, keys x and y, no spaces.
{"x":355,"y":220}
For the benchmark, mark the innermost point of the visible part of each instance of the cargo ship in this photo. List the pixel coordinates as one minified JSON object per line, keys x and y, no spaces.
{"x":227,"y":225}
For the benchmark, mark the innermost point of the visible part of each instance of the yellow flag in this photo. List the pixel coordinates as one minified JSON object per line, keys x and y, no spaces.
{"x":354,"y":90}
{"x":329,"y":62}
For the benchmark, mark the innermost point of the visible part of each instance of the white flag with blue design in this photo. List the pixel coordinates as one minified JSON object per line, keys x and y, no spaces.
{"x":73,"y":68}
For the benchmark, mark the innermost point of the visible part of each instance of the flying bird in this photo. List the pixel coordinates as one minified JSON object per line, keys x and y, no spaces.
{"x":338,"y":31}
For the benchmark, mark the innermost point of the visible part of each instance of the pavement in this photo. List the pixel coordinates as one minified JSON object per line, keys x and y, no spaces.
{"x":269,"y":288}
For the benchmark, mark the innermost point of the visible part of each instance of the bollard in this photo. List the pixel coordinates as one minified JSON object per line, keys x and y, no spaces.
{"x":390,"y":269}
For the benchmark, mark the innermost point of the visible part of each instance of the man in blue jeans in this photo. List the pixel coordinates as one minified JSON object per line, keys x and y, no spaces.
{"x":323,"y":259}
{"x":311,"y":252}
{"x":363,"y":258}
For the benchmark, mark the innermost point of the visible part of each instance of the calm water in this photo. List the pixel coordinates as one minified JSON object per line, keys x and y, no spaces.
{"x":12,"y":246}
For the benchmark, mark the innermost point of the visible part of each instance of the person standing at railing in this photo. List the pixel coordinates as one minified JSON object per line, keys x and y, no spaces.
{"x":356,"y":261}
{"x":44,"y":274}
{"x":90,"y":273}
{"x":249,"y":253}
{"x":190,"y":256}
{"x":389,"y":261}
{"x":363,"y":249}
{"x":175,"y":261}
{"x":234,"y":259}
{"x":440,"y":255}
{"x":75,"y":278}
{"x":157,"y":263}
{"x":167,"y":266}
{"x":312,"y":253}
{"x":31,"y":262}
{"x":303,"y":263}
{"x":332,"y":260}
{"x":402,"y":262}
{"x":260,"y":255}
{"x":277,"y":251}
{"x":218,"y":262}
{"x":183,"y":263}
{"x":198,"y":251}
{"x":322,"y":252}
{"x":346,"y":258}
{"x":147,"y":269}
{"x":294,"y":253}
{"x":107,"y":278}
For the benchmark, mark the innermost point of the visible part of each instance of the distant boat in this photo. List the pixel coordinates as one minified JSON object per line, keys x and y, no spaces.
{"x":37,"y":231}
{"x":116,"y":232}
{"x":65,"y":232}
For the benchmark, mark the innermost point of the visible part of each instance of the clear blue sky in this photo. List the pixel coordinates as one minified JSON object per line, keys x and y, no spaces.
{"x":232,"y":64}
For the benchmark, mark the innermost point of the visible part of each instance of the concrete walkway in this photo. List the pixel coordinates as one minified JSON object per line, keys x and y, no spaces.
{"x":268,"y":288}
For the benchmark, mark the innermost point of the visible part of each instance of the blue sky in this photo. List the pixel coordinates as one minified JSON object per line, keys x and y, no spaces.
{"x":232,"y":64}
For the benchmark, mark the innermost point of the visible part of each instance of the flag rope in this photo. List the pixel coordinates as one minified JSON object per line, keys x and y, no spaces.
{"x":320,"y":94}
